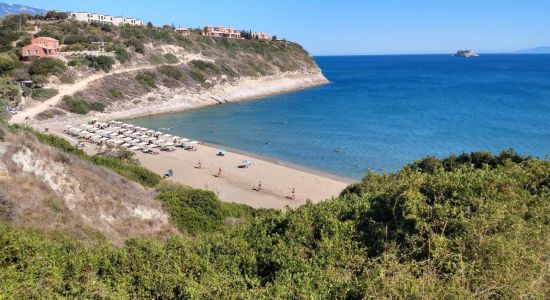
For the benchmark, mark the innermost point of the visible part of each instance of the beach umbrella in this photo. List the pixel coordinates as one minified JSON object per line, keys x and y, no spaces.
{"x":158,"y":132}
{"x":167,"y":136}
{"x":135,"y":148}
{"x":169,"y":144}
{"x":128,"y":139}
{"x":143,"y":144}
{"x":194,"y":142}
{"x":119,"y":142}
{"x":150,"y":131}
{"x":127,"y":145}
{"x":104,"y":139}
{"x":247,"y":163}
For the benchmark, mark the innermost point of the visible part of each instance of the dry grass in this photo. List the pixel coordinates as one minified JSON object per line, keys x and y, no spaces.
{"x":51,"y":190}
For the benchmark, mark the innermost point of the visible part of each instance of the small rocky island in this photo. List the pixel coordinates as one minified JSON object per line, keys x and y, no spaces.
{"x":466,"y":53}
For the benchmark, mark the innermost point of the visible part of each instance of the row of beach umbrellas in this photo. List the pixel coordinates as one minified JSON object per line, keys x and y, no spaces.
{"x":119,"y":134}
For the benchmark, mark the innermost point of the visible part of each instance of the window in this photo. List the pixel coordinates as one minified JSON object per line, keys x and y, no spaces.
{"x":28,"y":52}
{"x":35,"y":52}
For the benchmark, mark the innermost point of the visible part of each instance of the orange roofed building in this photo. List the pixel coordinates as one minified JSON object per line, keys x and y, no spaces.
{"x":260,"y":36}
{"x":220,"y":31}
{"x":40,"y":47}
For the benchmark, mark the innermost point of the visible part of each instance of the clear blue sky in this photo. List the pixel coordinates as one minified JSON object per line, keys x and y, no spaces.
{"x":328,"y":27}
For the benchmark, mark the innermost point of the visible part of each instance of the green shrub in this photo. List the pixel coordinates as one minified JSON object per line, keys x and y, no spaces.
{"x":171,"y":58}
{"x":66,"y":78}
{"x":101,"y":62}
{"x":47,"y":66}
{"x":131,"y":171}
{"x":120,"y":52}
{"x":205,"y":66}
{"x":43,"y":94}
{"x":197,"y":75}
{"x":7,"y":63}
{"x":171,"y":72}
{"x":80,"y":106}
{"x":198,"y":211}
{"x":147,"y":79}
{"x":115,"y":93}
{"x":155,"y":59}
{"x":138,"y":45}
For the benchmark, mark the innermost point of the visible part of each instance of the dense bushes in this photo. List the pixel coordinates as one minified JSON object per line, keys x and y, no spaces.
{"x":47,"y":66}
{"x":171,"y":72}
{"x":147,"y":79}
{"x":81,"y":107}
{"x":466,"y":233}
{"x":43,"y":94}
{"x":104,"y":63}
{"x":197,"y":211}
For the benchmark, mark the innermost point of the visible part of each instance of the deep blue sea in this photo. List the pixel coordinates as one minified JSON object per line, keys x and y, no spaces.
{"x":387,"y":111}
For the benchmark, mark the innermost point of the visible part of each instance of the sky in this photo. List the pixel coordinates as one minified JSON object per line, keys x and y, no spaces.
{"x":351,"y":27}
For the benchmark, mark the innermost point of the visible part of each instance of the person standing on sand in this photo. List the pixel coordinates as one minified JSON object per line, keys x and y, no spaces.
{"x":259,"y":185}
{"x":219,"y":172}
{"x":199,"y":165}
{"x":293,"y":194}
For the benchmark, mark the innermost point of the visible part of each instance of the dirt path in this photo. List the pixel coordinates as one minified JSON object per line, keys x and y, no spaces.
{"x":68,"y":89}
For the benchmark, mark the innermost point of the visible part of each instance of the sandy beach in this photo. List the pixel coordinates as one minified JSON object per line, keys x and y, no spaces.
{"x":239,"y":185}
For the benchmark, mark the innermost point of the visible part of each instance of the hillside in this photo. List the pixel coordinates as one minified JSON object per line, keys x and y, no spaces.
{"x":44,"y":188}
{"x":148,"y":66}
{"x":472,"y":226}
{"x":6,"y":9}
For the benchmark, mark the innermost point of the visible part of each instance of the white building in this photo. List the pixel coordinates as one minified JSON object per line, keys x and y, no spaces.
{"x":104,"y":19}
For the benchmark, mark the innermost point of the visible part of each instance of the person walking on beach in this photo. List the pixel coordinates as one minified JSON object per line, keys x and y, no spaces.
{"x":293,"y":194}
{"x":259,"y":185}
{"x":199,"y":165}
{"x":219,"y":172}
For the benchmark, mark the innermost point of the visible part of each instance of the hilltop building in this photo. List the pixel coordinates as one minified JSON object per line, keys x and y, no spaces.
{"x":220,"y":31}
{"x":104,"y":19}
{"x":41,"y":47}
{"x":260,"y":36}
{"x":183,"y":31}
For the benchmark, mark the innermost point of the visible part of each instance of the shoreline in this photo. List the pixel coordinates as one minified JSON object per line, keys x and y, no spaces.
{"x":283,"y":163}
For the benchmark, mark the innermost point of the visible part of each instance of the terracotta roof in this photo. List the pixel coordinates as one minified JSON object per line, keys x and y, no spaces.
{"x":46,"y":38}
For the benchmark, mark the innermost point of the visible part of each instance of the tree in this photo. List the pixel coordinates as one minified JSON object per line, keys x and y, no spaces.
{"x":150,"y":25}
{"x":8,"y":89}
{"x":274,"y":38}
{"x":56,"y":15}
{"x":46,"y":66}
{"x":7,"y":63}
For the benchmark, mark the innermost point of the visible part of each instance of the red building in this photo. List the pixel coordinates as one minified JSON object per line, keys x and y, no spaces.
{"x":41,"y":47}
{"x":260,"y":36}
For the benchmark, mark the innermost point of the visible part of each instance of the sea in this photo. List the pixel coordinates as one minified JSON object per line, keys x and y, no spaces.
{"x":382,"y":112}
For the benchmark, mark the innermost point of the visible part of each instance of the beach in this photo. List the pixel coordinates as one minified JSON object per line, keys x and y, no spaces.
{"x":264,"y":183}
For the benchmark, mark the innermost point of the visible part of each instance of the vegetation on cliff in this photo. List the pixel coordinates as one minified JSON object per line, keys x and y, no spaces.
{"x":185,"y":61}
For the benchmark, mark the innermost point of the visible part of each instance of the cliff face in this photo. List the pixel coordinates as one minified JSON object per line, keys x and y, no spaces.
{"x":207,"y":71}
{"x":44,"y":188}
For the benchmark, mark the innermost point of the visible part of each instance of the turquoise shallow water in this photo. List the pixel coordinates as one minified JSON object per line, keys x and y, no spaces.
{"x":386,"y":111}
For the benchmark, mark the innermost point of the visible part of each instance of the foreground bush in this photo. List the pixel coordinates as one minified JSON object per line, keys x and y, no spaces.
{"x":469,"y":233}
